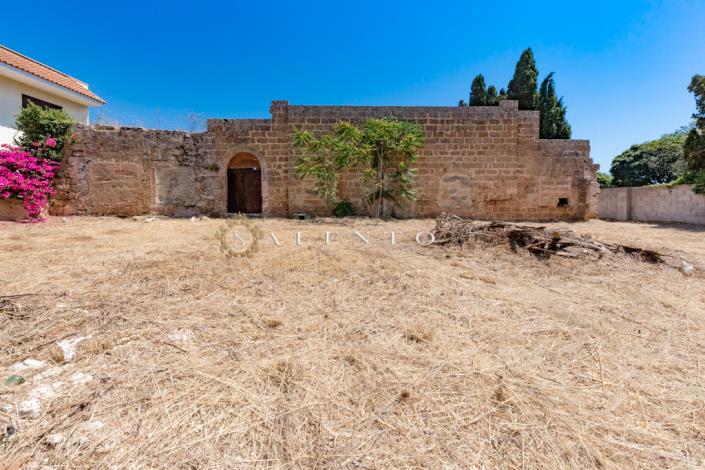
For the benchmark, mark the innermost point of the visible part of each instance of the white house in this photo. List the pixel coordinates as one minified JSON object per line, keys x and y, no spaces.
{"x":23,"y":80}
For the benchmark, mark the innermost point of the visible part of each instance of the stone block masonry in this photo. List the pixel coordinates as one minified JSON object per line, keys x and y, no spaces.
{"x":483,"y":162}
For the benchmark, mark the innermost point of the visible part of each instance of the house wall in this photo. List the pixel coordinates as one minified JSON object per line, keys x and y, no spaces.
{"x":11,"y":103}
{"x":484,"y":162}
{"x":653,"y":204}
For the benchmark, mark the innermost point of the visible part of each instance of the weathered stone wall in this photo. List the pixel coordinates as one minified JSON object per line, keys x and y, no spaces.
{"x":484,"y":162}
{"x":129,"y":171}
{"x":653,"y":204}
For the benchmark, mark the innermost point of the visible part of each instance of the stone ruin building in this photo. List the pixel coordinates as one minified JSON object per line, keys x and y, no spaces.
{"x":484,"y":162}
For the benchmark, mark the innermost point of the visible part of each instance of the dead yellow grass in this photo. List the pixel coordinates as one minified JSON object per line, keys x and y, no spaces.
{"x":345,"y":356}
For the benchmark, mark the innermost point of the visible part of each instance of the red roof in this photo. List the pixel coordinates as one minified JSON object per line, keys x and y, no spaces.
{"x":18,"y":61}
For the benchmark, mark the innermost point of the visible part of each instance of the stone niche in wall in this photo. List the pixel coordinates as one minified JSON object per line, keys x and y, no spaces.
{"x":175,"y":189}
{"x":454,"y":191}
{"x":115,"y":188}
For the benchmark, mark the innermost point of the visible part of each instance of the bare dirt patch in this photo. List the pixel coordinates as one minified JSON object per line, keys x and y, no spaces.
{"x":344,"y":355}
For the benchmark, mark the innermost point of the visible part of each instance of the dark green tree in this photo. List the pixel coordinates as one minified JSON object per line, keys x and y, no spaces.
{"x":553,"y":123}
{"x":694,"y":147}
{"x":478,"y":92}
{"x":654,"y":162}
{"x":523,"y":86}
{"x":461,"y":103}
{"x":502,"y":95}
{"x":39,"y":124}
{"x":492,"y":98}
{"x":604,"y":179}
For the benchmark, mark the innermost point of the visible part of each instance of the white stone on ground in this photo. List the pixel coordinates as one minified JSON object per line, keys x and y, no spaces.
{"x":80,"y":378}
{"x":93,"y":426}
{"x":687,"y":268}
{"x":55,"y":439}
{"x":52,"y":372}
{"x":46,"y":391}
{"x":27,"y":364}
{"x":68,"y":347}
{"x":181,"y":335}
{"x":30,"y":408}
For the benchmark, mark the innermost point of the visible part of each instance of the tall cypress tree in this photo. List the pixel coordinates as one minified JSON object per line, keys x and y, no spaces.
{"x":491,"y":99}
{"x":523,"y":86}
{"x":552,"y":112}
{"x":478,"y":93}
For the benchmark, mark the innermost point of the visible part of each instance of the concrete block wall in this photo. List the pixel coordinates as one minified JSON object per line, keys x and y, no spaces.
{"x":653,"y":204}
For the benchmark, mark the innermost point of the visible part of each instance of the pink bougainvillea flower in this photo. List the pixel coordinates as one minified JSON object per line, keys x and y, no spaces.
{"x":27,"y":178}
{"x":51,"y":142}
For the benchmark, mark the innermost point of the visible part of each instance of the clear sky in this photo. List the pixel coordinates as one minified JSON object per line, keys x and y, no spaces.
{"x":622,"y":66}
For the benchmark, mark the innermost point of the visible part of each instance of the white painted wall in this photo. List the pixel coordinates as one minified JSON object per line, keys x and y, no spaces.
{"x":11,"y":103}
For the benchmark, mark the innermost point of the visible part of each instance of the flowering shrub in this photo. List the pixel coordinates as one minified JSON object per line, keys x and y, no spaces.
{"x":45,"y":131}
{"x":27,"y":178}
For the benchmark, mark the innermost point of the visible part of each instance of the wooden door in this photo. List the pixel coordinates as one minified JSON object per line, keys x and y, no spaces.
{"x":245,"y":191}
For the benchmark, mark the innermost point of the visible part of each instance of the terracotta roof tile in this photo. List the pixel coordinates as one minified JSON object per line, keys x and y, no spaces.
{"x":17,"y":60}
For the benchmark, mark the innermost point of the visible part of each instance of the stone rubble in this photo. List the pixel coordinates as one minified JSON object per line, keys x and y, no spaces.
{"x":32,"y":364}
{"x":30,"y":408}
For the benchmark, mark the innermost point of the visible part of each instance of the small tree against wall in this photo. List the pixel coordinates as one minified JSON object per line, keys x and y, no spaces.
{"x":383,"y":151}
{"x":45,"y":131}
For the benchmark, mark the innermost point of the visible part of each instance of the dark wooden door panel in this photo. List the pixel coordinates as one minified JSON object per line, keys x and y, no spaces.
{"x":232,"y":184}
{"x":253,"y":191}
{"x":245,"y":191}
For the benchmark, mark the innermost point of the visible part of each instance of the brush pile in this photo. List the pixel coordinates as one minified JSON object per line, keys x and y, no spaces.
{"x":542,"y":243}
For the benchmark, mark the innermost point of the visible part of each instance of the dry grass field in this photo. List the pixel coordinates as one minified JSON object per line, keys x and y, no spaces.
{"x":343,"y":355}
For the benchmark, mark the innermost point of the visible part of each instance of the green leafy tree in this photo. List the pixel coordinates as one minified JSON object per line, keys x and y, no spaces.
{"x":502,"y":95}
{"x":523,"y":86}
{"x":41,"y":126}
{"x":461,"y":103}
{"x":478,"y":92}
{"x":604,"y":180}
{"x":655,"y":162}
{"x":694,"y":147}
{"x":553,"y":123}
{"x":383,"y":151}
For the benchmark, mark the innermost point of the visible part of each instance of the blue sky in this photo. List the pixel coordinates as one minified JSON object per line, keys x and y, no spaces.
{"x":622,"y":66}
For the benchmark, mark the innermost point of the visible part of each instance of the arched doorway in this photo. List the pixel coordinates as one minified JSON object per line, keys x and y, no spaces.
{"x":244,"y":184}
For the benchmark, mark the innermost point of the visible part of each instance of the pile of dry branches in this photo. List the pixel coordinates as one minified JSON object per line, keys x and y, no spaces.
{"x":542,"y":243}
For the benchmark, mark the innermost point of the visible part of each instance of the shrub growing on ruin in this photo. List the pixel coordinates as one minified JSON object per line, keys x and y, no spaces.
{"x":45,"y":131}
{"x":343,"y":209}
{"x":382,"y":152}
